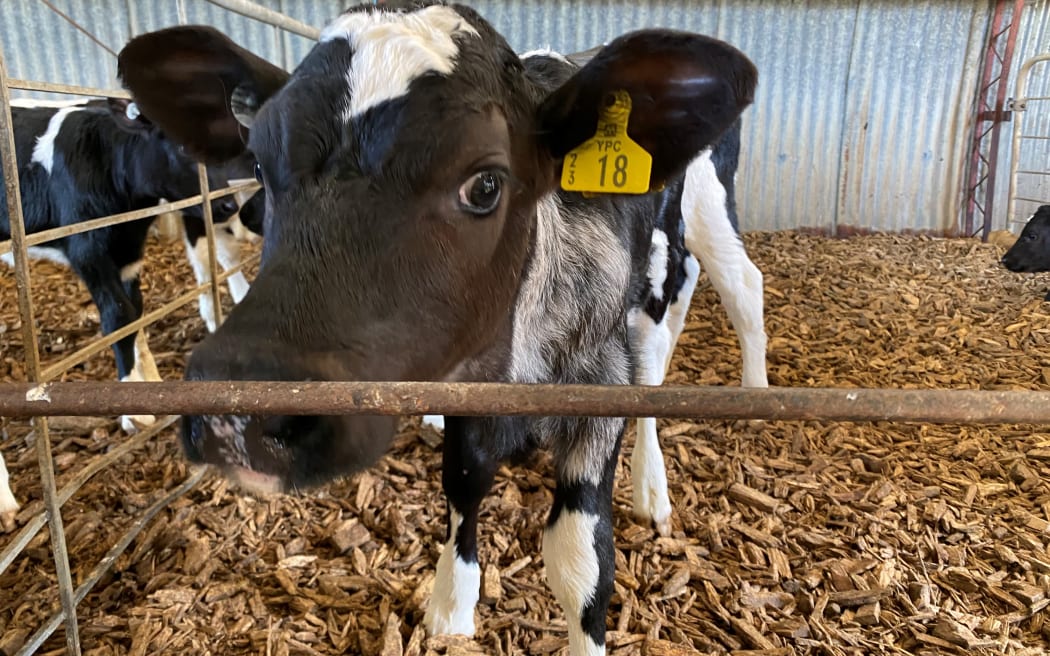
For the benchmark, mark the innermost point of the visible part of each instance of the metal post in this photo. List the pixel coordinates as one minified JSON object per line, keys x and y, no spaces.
{"x":32,"y":355}
{"x":262,"y":14}
{"x":209,"y":235}
{"x":989,"y":117}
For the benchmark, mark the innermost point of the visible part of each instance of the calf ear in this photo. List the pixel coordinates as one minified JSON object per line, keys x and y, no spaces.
{"x":189,"y":79}
{"x":127,"y":116}
{"x":686,"y":90}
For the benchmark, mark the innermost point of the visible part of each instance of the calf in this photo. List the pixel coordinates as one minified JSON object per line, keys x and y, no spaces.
{"x":226,"y":238}
{"x":1031,"y":251}
{"x":415,"y":230}
{"x":79,"y":161}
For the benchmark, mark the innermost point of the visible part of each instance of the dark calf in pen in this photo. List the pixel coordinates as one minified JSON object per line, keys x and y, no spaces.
{"x":415,"y":230}
{"x":1031,"y":252}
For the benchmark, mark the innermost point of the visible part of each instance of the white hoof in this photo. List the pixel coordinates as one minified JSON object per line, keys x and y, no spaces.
{"x":132,"y":424}
{"x":649,"y":508}
{"x":8,"y":505}
{"x":437,"y":422}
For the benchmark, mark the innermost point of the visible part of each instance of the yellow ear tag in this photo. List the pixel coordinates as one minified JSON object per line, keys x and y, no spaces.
{"x":609,"y":162}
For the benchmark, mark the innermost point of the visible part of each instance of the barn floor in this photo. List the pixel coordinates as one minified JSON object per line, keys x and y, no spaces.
{"x":789,"y":537}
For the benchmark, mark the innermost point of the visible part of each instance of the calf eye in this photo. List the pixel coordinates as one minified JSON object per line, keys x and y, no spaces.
{"x":258,"y":173}
{"x":480,"y":194}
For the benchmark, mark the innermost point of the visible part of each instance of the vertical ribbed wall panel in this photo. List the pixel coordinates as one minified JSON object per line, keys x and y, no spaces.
{"x":860,"y":121}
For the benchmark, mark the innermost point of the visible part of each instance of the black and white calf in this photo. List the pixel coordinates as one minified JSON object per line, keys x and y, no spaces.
{"x":79,"y":161}
{"x":415,"y":230}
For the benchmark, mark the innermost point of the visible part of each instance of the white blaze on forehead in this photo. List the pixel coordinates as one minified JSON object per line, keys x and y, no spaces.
{"x":393,"y":49}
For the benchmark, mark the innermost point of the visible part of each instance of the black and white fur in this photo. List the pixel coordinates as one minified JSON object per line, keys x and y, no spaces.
{"x":84,"y":160}
{"x":392,"y":252}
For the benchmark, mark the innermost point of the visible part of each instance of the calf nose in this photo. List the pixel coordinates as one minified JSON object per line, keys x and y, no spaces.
{"x":228,"y":206}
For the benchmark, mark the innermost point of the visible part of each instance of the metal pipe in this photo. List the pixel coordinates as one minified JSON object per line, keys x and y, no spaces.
{"x":72,"y":89}
{"x":1015,"y":145}
{"x":262,"y":14}
{"x":125,"y":217}
{"x":16,"y":223}
{"x":508,"y":399}
{"x":209,"y":236}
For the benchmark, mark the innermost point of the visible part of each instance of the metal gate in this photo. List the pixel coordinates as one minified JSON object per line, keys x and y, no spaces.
{"x":1030,"y":148}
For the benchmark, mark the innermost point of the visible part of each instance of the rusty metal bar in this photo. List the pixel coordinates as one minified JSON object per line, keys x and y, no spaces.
{"x":44,"y":236}
{"x":262,"y":14}
{"x":26,"y":534}
{"x":100,"y":344}
{"x":507,"y":399}
{"x":209,"y":236}
{"x":72,"y":89}
{"x":104,"y":565}
{"x":16,"y":222}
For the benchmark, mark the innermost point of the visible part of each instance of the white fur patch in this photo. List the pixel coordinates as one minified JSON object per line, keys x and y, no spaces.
{"x":710,"y":237}
{"x":572,"y":573}
{"x":8,"y":503}
{"x":457,"y":587}
{"x":131,"y":271}
{"x":44,"y":150}
{"x":543,"y":52}
{"x":39,"y":253}
{"x":653,"y":343}
{"x":658,"y":264}
{"x":145,"y":369}
{"x":393,"y":49}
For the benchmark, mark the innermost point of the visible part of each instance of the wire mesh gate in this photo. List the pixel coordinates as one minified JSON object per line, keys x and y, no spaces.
{"x":18,"y":245}
{"x":1030,"y":145}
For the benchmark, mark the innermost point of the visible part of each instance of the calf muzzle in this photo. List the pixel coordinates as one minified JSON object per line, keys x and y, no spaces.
{"x":272,"y":453}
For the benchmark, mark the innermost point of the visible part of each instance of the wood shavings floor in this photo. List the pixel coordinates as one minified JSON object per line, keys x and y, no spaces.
{"x":789,"y":537}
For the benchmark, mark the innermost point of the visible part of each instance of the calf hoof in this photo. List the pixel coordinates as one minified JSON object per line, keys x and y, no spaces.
{"x":132,"y":424}
{"x":648,"y":510}
{"x":8,"y":510}
{"x":661,"y":524}
{"x":437,"y":422}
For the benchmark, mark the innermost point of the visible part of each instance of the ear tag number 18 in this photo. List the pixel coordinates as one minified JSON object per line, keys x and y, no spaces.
{"x":609,"y":162}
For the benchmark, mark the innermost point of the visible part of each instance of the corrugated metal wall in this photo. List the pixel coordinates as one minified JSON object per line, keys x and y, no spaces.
{"x":861,"y":119}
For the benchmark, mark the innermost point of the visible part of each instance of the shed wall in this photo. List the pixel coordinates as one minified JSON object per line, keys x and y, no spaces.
{"x":861,"y":119}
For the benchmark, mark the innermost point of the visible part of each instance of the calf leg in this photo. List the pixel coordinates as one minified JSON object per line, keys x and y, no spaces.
{"x":655,"y":343}
{"x":8,"y":503}
{"x":227,"y":252}
{"x":119,"y":303}
{"x":467,"y":474}
{"x":709,"y":235}
{"x":578,"y":549}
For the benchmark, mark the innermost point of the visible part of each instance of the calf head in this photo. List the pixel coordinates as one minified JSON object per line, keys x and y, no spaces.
{"x":1031,"y":251}
{"x":402,"y":162}
{"x":157,"y":167}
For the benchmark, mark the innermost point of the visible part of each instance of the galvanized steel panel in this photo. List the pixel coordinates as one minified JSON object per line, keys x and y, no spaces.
{"x":860,"y":118}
